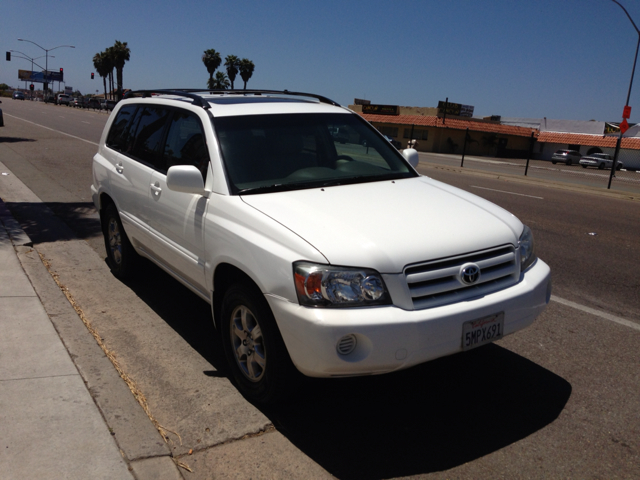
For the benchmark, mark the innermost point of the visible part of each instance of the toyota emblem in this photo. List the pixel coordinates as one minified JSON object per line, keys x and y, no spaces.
{"x":469,"y":273}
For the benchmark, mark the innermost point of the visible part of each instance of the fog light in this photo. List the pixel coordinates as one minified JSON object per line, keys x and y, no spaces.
{"x":347,"y":344}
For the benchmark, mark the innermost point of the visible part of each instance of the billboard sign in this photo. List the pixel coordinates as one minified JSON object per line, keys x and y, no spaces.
{"x":39,"y":77}
{"x":456,"y":109}
{"x":381,"y":109}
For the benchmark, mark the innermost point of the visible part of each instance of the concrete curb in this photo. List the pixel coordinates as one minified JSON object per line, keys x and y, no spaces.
{"x":137,"y":438}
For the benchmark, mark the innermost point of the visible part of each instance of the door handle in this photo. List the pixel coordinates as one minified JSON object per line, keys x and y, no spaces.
{"x":119,"y":167}
{"x":155,"y":188}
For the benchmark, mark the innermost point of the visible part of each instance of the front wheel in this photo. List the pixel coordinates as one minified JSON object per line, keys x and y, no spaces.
{"x":569,"y":162}
{"x":618,"y":167}
{"x":601,"y":166}
{"x":253,"y":346}
{"x":584,"y":166}
{"x":121,"y":255}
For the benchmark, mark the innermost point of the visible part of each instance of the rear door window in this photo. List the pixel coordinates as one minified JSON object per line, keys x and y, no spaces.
{"x":119,"y":138}
{"x":149,"y":125}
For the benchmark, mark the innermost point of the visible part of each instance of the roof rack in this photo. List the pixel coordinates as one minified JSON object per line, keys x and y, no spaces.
{"x":201,"y":102}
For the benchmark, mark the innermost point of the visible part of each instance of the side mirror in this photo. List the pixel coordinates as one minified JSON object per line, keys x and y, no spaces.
{"x":411,"y":156}
{"x":185,"y":179}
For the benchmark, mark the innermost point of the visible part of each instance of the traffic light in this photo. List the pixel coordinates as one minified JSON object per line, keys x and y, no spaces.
{"x":92,"y":76}
{"x":8,"y":56}
{"x":31,"y":87}
{"x":61,"y":75}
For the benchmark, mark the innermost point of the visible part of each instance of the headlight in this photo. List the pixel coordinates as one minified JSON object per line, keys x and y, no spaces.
{"x":527,"y":250}
{"x":328,"y":286}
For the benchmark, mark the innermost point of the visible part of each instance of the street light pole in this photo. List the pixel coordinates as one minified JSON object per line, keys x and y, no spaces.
{"x":633,"y":71}
{"x":46,"y":50}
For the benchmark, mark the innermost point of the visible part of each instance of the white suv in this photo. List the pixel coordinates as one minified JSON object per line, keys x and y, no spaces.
{"x":326,"y":253}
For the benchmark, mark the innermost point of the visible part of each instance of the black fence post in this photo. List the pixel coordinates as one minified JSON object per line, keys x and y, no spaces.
{"x":464,"y":147}
{"x":526,"y":169}
{"x":615,"y":160}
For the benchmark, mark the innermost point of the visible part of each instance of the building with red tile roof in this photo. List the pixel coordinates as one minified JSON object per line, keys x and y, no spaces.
{"x":494,"y":138}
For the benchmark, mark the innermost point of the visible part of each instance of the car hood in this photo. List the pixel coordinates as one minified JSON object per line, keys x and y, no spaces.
{"x":388,"y":225}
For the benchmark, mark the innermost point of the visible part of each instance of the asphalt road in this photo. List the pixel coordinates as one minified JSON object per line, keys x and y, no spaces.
{"x":559,"y":399}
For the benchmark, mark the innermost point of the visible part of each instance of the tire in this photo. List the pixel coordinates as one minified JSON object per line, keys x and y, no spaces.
{"x":554,"y":162}
{"x":601,"y":166}
{"x":584,"y":166}
{"x":255,"y":352}
{"x":569,"y":162}
{"x":121,"y":256}
{"x":618,"y":167}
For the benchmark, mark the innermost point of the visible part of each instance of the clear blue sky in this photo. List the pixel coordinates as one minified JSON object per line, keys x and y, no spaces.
{"x":562,"y":59}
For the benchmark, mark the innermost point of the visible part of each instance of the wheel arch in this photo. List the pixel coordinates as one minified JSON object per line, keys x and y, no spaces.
{"x":224,"y":276}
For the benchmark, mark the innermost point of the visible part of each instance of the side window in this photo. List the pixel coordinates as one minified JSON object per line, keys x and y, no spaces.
{"x":185,"y":143}
{"x":119,"y":137}
{"x":149,"y":129}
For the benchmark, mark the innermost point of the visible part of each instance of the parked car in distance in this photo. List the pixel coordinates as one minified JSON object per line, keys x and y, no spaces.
{"x":568,"y":157}
{"x":62,"y":99}
{"x":107,"y":104}
{"x":319,"y":246}
{"x":18,"y":95}
{"x":600,"y":161}
{"x":90,"y":102}
{"x":76,"y":102}
{"x":393,"y":142}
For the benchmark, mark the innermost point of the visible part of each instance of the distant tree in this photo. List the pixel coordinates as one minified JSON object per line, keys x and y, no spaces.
{"x":103,"y":66}
{"x":120,"y":55}
{"x":220,"y":82}
{"x":108,"y":59}
{"x":211,"y":59}
{"x":246,"y":70}
{"x":4,"y":87}
{"x":232,"y":62}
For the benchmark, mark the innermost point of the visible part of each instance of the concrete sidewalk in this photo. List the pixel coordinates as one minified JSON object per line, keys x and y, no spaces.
{"x":50,"y":426}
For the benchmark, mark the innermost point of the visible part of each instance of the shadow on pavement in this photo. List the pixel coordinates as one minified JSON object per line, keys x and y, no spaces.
{"x":56,"y":221}
{"x":430,"y":418}
{"x":15,"y":139}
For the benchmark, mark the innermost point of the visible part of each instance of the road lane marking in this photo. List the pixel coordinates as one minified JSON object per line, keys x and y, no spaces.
{"x":510,"y":193}
{"x":86,"y":122}
{"x":52,"y":129}
{"x":597,"y":313}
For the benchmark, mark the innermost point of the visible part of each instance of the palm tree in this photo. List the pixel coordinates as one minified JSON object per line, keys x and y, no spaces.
{"x":232,"y":62}
{"x":246,"y":70}
{"x":211,"y":60}
{"x":109,"y":61}
{"x":120,"y":55}
{"x":221,"y":82}
{"x":103,"y":67}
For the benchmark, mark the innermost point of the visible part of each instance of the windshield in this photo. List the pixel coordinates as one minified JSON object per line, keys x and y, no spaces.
{"x":265,"y":153}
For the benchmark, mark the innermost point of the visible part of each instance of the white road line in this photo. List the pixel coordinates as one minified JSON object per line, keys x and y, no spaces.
{"x":86,"y":122}
{"x":510,"y":193}
{"x":52,"y":129}
{"x":597,"y":313}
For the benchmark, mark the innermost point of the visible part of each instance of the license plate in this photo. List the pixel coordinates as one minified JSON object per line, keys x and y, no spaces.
{"x":482,"y":331}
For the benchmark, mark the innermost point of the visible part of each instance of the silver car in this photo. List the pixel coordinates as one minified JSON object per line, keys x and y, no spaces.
{"x":600,"y":160}
{"x":568,"y":157}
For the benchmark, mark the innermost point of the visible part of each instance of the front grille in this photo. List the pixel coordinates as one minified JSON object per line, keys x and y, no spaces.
{"x":437,"y":283}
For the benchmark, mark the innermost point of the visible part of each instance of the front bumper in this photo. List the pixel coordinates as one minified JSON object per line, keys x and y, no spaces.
{"x":390,"y":338}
